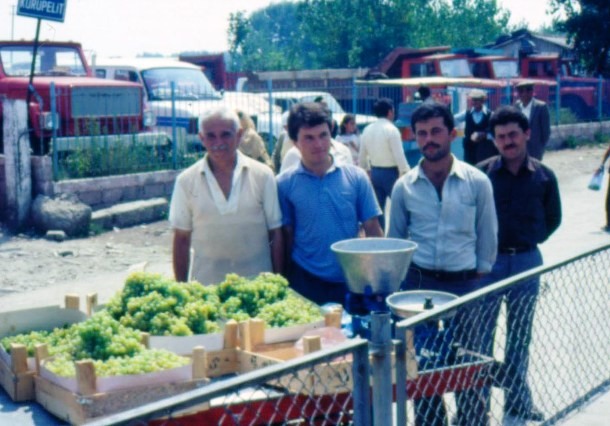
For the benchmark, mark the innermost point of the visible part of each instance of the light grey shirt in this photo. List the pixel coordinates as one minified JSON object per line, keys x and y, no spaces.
{"x":455,"y":233}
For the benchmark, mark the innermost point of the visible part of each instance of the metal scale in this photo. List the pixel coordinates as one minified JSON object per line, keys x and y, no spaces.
{"x":374,"y":268}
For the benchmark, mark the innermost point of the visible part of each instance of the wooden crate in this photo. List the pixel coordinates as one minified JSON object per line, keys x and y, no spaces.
{"x":17,"y":371}
{"x":86,"y":402}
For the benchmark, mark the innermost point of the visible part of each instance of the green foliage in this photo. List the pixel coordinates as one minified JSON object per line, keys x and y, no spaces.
{"x":99,"y":160}
{"x":316,"y":34}
{"x":587,"y":23}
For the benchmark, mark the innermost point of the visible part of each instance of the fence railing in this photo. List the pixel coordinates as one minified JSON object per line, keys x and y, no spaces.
{"x":436,"y":369}
{"x":91,"y":146}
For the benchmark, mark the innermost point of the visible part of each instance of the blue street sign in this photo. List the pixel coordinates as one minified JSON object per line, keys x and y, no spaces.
{"x":52,"y":10}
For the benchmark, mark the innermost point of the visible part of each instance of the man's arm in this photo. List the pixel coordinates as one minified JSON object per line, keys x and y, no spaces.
{"x":181,"y":254}
{"x":288,"y":235}
{"x":552,"y":207}
{"x":276,"y":243}
{"x":486,"y":227}
{"x":545,"y":123}
{"x":398,"y":152}
{"x":372,"y":228}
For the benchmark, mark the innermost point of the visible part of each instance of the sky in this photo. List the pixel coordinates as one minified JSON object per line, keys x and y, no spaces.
{"x":131,"y":27}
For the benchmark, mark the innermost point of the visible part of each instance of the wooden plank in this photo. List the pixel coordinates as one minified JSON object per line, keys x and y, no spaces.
{"x":78,"y":409}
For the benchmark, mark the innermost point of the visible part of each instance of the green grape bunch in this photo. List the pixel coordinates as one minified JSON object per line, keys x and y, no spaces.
{"x":290,"y":311}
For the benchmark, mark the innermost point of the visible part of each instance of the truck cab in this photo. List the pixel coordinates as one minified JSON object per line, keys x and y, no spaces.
{"x":69,"y":109}
{"x":178,"y":93}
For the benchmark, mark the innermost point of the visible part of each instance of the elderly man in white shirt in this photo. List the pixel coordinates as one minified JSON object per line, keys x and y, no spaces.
{"x":225,"y":208}
{"x":381,"y":152}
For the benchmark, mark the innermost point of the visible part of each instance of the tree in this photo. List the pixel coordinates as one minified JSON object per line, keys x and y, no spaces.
{"x":357,"y":33}
{"x":587,"y":24}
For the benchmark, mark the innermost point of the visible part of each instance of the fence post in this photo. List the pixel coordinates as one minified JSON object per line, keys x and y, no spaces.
{"x":381,"y":353}
{"x":361,"y":392}
{"x":354,"y":95}
{"x":174,"y":130}
{"x":18,"y":166}
{"x":270,"y":145}
{"x":558,"y":100}
{"x":400,"y":356}
{"x":600,"y":95}
{"x":53,"y":106}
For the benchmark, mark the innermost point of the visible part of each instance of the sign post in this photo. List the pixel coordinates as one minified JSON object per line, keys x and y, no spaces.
{"x":52,"y":10}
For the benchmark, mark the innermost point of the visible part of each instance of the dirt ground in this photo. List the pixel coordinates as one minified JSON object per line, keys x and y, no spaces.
{"x":29,"y":262}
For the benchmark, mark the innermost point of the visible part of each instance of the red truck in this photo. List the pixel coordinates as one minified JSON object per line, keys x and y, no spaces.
{"x":68,"y":108}
{"x":579,"y":94}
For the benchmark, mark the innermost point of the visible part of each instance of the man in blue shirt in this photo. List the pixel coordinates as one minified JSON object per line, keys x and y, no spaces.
{"x":446,"y":206}
{"x":529,"y":210}
{"x":322,"y":202}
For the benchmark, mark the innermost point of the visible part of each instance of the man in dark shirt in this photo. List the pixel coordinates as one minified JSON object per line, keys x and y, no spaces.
{"x":528,"y":206}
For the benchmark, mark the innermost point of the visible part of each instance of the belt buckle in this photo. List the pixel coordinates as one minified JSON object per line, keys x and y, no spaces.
{"x":511,"y":251}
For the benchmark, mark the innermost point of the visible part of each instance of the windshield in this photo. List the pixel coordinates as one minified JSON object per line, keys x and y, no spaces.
{"x":50,"y":61}
{"x":505,"y":69}
{"x":189,"y":84}
{"x":455,"y":68}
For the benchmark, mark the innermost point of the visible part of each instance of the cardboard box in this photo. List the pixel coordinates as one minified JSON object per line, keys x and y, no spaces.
{"x":17,"y":370}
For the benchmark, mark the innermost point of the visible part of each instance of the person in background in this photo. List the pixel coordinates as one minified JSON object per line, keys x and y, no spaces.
{"x":425,"y":94}
{"x":225,"y":209}
{"x":348,"y":135}
{"x":381,"y":152}
{"x":323,"y":201}
{"x":283,"y":145}
{"x":600,"y":170}
{"x":445,"y":206}
{"x":537,"y":112}
{"x":251,"y":144}
{"x":528,"y":205}
{"x":478,"y":144}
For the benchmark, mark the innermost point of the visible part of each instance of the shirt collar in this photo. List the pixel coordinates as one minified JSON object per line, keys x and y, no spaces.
{"x":239,"y":165}
{"x":483,"y":110}
{"x":499,"y":163}
{"x":333,"y":166}
{"x":457,"y":169}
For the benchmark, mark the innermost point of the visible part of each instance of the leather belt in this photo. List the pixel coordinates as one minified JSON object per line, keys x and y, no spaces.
{"x":468,"y":274}
{"x":511,"y":251}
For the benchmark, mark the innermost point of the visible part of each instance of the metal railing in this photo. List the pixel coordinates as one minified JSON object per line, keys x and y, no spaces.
{"x":444,"y":376}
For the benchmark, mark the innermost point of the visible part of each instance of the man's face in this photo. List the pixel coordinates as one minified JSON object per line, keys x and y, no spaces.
{"x":525,"y":94}
{"x":434,"y":138}
{"x":314,"y":144}
{"x":220,"y":139}
{"x":477,"y":104}
{"x":511,"y":141}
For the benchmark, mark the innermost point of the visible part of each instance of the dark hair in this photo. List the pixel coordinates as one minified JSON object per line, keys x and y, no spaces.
{"x":382,"y":107}
{"x":508,"y":114}
{"x":429,"y":110}
{"x":424,"y":92}
{"x":346,"y":119}
{"x":308,"y":114}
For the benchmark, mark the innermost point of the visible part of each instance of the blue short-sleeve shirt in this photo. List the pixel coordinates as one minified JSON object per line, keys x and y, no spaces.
{"x":324,"y":210}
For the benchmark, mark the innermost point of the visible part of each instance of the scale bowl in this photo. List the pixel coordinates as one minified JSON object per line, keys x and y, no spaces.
{"x":405,"y":304}
{"x":374,"y":265}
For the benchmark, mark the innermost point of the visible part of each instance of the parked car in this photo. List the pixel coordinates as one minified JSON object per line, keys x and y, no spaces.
{"x":285,"y":100}
{"x":178,"y":93}
{"x":68,"y":108}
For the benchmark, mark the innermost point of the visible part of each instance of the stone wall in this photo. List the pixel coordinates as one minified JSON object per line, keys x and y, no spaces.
{"x":561,"y":134}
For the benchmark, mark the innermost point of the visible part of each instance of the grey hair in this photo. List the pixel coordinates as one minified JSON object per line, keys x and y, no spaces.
{"x":220,"y":113}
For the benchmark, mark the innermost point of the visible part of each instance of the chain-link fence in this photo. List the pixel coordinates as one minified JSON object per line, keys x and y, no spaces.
{"x":528,"y":348}
{"x":507,"y":354}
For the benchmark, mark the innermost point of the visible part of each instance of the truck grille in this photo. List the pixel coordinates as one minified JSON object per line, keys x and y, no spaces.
{"x":105,"y":102}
